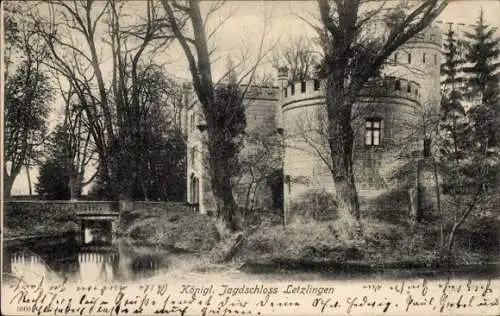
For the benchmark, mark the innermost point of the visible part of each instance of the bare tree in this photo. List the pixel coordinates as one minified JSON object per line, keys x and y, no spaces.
{"x":350,"y":59}
{"x":189,"y":26}
{"x":300,"y":55}
{"x":79,"y":65}
{"x":259,"y":160}
{"x":28,"y":93}
{"x":112,"y":107}
{"x":75,"y":142}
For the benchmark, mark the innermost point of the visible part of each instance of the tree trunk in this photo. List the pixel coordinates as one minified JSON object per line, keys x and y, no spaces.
{"x":221,"y":185}
{"x":75,"y":188}
{"x":341,"y":142}
{"x":225,"y":203}
{"x":438,"y":202}
{"x":447,"y":249}
{"x":413,"y":199}
{"x":28,"y":177}
{"x":348,"y":206}
{"x":8,"y":182}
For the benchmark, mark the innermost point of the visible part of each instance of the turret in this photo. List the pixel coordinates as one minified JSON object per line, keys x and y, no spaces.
{"x":282,"y":77}
{"x":420,"y":60}
{"x":282,"y":84}
{"x":185,"y":102}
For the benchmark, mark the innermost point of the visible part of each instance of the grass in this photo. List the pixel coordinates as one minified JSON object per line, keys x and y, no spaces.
{"x":387,"y":240}
{"x":182,"y":230}
{"x":37,"y":219}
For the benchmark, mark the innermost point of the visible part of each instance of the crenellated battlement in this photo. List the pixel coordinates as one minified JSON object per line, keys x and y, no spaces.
{"x":387,"y":87}
{"x":262,"y":92}
{"x":431,"y":35}
{"x":392,"y":87}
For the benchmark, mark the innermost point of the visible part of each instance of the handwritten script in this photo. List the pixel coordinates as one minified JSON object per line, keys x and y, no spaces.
{"x":445,"y":297}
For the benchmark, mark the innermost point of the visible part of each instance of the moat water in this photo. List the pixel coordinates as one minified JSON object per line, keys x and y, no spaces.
{"x":116,"y":263}
{"x":127,"y":263}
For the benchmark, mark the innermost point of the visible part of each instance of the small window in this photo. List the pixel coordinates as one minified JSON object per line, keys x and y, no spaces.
{"x":427,"y":147}
{"x":396,"y":58}
{"x":302,"y":86}
{"x":316,"y":84}
{"x":293,"y":89}
{"x":192,"y":121}
{"x":408,"y":89}
{"x":423,"y":58}
{"x":285,"y":92}
{"x":193,"y":155}
{"x":373,"y":130}
{"x":409,"y":58}
{"x":435,"y":59}
{"x":397,"y":86}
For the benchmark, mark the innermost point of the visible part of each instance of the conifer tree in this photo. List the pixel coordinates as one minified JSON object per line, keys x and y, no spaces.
{"x":451,"y":69}
{"x":483,"y":79}
{"x":452,"y":109}
{"x":468,"y":158}
{"x":483,"y":54}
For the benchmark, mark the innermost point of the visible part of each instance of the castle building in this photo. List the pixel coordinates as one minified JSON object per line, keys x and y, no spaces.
{"x":387,"y":121}
{"x":260,"y":112}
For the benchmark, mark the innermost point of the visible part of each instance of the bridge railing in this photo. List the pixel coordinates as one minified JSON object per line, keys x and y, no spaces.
{"x":65,"y":206}
{"x":95,"y":207}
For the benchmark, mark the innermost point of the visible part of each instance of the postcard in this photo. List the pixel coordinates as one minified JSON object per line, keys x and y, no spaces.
{"x":250,"y":157}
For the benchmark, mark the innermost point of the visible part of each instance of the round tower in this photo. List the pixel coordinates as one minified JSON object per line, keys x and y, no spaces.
{"x":420,"y":60}
{"x":384,"y":119}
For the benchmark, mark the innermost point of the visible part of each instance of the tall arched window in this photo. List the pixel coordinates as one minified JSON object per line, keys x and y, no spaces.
{"x":195,"y":190}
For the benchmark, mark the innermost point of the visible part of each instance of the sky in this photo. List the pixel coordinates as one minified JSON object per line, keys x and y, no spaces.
{"x":278,"y":21}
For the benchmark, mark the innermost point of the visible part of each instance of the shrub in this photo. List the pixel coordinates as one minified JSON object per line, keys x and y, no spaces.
{"x":314,"y":241}
{"x":185,"y":231}
{"x":319,"y":206}
{"x":264,"y":216}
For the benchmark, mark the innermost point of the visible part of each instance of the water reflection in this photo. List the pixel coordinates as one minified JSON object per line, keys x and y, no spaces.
{"x":94,"y":266}
{"x":30,"y":266}
{"x":117,"y":263}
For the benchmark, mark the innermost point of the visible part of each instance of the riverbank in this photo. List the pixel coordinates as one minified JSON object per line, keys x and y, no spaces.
{"x":315,"y":245}
{"x":387,"y":241}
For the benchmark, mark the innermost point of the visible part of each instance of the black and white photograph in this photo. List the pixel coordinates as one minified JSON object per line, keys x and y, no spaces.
{"x":187,"y":157}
